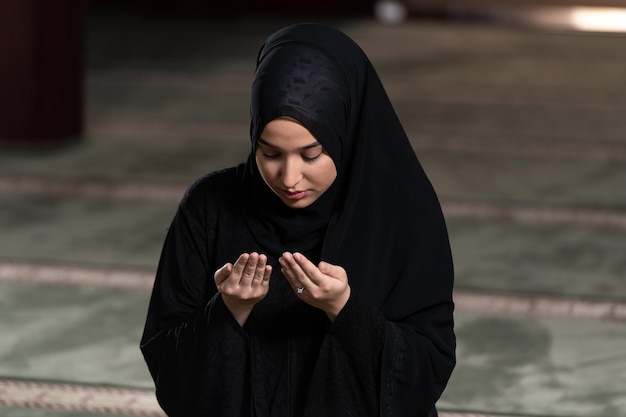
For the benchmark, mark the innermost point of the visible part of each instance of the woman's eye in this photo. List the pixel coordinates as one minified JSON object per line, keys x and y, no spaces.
{"x":311,"y":158}
{"x":270,"y":155}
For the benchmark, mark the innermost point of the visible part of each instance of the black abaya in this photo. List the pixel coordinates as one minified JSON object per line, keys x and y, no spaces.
{"x":288,"y":360}
{"x":390,"y":352}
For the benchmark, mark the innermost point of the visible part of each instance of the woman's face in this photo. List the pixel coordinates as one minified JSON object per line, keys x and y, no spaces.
{"x":293,"y":163}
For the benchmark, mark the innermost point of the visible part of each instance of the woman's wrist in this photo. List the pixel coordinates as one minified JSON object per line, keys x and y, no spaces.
{"x":338,"y":305}
{"x":239,"y":311}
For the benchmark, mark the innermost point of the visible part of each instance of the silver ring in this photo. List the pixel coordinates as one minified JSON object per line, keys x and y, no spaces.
{"x":300,"y":290}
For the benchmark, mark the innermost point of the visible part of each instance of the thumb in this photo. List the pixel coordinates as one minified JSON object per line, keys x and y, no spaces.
{"x":329,"y":269}
{"x":222,"y":273}
{"x":324,"y":267}
{"x":334,"y":271}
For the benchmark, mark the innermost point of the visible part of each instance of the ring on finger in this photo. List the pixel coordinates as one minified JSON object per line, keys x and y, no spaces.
{"x":300,"y":290}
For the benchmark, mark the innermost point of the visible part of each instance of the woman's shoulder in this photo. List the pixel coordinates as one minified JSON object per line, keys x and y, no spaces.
{"x":215,"y":186}
{"x":216,"y":180}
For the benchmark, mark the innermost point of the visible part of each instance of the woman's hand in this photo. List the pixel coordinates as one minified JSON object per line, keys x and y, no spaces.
{"x":324,"y":286}
{"x":243,"y":284}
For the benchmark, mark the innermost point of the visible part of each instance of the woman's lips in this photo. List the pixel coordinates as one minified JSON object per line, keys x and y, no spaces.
{"x":296,"y":195}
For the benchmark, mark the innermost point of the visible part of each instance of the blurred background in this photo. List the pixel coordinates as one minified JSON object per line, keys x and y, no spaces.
{"x":111,"y":108}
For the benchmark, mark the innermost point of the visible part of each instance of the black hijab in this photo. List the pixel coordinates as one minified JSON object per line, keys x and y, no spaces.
{"x":381,"y":219}
{"x":300,"y":81}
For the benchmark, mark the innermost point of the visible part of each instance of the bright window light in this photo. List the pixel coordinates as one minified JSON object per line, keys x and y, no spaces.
{"x":601,"y":19}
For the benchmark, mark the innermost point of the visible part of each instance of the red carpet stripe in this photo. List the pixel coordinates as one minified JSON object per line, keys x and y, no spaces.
{"x":97,"y":400}
{"x":452,"y":210}
{"x":535,"y":214}
{"x":511,"y":304}
{"x":115,"y":191}
{"x":539,"y":306}
{"x":78,"y":398}
{"x":70,"y":275}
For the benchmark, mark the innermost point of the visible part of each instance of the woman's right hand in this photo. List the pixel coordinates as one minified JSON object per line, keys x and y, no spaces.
{"x":243,"y":284}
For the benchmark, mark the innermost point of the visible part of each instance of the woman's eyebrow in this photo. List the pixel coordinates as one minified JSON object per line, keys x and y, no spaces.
{"x":311,"y":145}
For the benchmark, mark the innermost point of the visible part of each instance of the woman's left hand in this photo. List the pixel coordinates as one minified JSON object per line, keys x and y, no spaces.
{"x":324,"y":286}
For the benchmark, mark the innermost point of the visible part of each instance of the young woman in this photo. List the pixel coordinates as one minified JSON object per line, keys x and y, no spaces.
{"x":315,"y":279}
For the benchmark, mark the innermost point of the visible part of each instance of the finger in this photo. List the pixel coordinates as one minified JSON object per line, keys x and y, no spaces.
{"x":250,"y":269}
{"x":306,"y":270}
{"x":287,"y":270}
{"x":240,"y":265}
{"x":259,"y":272}
{"x":267,"y":274}
{"x":293,"y":272}
{"x":325,"y":267}
{"x":331,"y":270}
{"x":222,"y":273}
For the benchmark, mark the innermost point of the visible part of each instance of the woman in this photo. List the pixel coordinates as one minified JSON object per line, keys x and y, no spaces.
{"x":358,"y":321}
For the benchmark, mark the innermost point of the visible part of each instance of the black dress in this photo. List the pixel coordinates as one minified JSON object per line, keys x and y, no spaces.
{"x":391,"y":350}
{"x":288,"y":359}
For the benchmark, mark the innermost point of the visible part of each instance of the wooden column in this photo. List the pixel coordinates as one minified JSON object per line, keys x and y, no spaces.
{"x":41,"y":71}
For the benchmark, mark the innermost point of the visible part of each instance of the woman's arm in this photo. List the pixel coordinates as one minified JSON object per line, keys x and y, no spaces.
{"x":189,"y":331}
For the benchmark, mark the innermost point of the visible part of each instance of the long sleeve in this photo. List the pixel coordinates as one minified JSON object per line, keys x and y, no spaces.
{"x":193,"y":365}
{"x":419,"y":352}
{"x":417,"y":364}
{"x":347,"y":373}
{"x":189,"y":333}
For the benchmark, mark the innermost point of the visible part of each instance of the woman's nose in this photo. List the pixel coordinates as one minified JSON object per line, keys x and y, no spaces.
{"x":291,"y":173}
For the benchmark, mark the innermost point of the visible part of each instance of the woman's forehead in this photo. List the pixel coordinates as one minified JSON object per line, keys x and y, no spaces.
{"x":287,"y":134}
